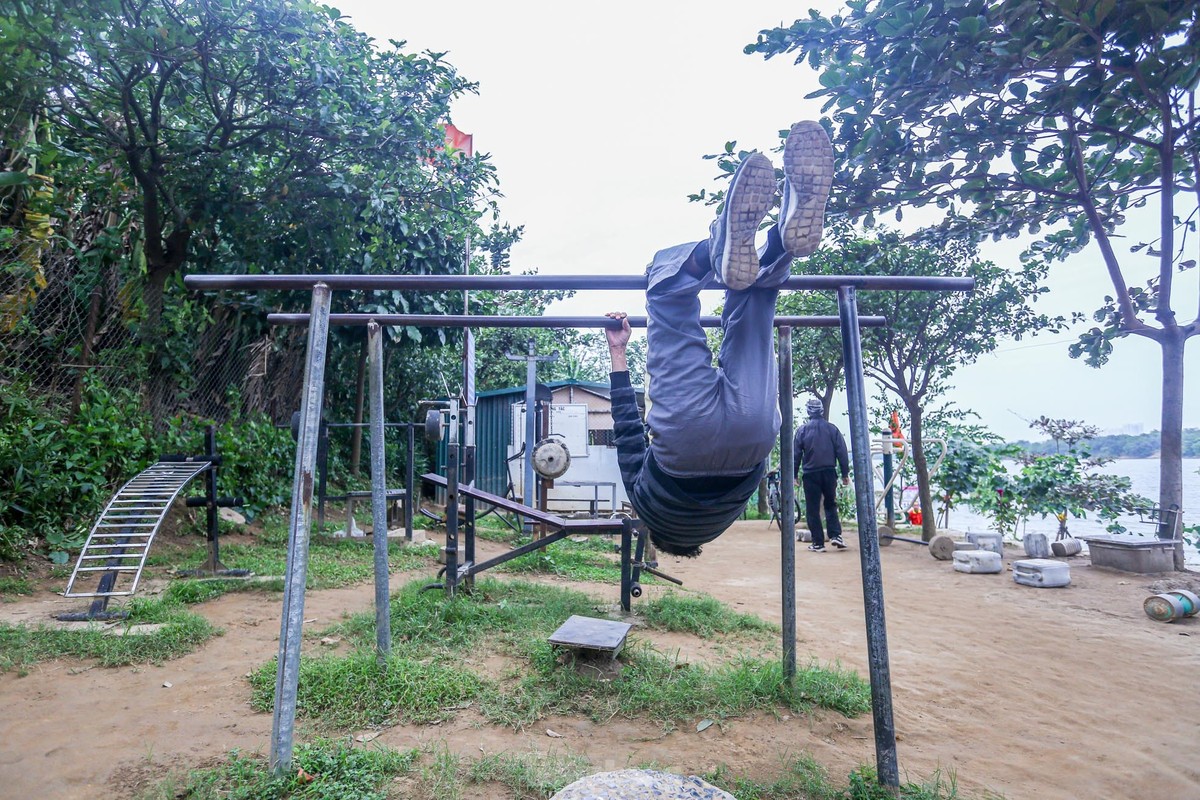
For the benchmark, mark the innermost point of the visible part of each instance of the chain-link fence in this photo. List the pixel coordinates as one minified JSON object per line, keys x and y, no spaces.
{"x":71,"y":325}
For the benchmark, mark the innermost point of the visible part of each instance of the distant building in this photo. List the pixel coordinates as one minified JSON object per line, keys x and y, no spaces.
{"x":578,"y":412}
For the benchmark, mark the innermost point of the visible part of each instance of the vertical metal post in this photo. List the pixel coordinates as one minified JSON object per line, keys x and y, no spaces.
{"x":210,"y":491}
{"x":410,"y":481}
{"x":787,"y":499}
{"x":529,"y":490}
{"x":868,"y":543}
{"x":379,"y":500}
{"x":322,"y":470}
{"x":469,"y":452}
{"x":889,"y":503}
{"x":453,"y":453}
{"x":626,"y":564}
{"x":287,"y":675}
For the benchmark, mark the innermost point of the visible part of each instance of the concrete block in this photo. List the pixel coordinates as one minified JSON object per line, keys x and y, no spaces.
{"x":1037,"y":545}
{"x":988,"y":540}
{"x":1131,"y":553}
{"x":1042,"y":573}
{"x":984,"y":562}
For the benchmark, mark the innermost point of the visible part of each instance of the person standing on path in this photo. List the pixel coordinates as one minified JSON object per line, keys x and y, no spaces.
{"x":820,"y":450}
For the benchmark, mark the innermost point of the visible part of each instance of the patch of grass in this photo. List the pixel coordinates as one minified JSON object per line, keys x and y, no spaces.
{"x":443,"y":779}
{"x":190,"y":592}
{"x":14,"y":586}
{"x":433,"y":637}
{"x":805,"y":779}
{"x":699,"y":614}
{"x":332,"y":563}
{"x":509,"y":613}
{"x":338,"y":771}
{"x":653,"y":685}
{"x":356,"y":691}
{"x":531,"y":775}
{"x":182,"y":632}
{"x":591,"y":560}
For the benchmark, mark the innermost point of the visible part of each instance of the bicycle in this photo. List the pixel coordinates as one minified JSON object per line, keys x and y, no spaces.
{"x":775,"y":498}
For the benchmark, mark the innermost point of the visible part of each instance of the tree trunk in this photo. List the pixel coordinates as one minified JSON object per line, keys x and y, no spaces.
{"x":763,"y":508}
{"x":1170,"y":457}
{"x":921,"y":468}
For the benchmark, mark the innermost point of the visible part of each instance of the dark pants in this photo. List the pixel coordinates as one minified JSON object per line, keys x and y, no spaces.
{"x":820,"y":489}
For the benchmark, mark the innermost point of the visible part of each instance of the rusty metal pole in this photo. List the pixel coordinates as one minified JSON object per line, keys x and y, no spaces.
{"x":787,"y":514}
{"x":287,"y":676}
{"x":868,"y":543}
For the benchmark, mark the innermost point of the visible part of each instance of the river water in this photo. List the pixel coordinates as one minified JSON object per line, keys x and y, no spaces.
{"x":1142,"y":473}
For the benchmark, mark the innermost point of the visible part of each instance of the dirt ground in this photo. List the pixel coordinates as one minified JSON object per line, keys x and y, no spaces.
{"x":1028,"y":693}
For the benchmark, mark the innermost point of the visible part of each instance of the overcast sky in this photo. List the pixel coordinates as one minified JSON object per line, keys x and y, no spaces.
{"x":596,"y":118}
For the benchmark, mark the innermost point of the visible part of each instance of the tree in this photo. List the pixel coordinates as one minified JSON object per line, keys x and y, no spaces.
{"x":1019,"y":115}
{"x":816,"y":352}
{"x":257,"y":134}
{"x":1062,"y":484}
{"x":931,"y":334}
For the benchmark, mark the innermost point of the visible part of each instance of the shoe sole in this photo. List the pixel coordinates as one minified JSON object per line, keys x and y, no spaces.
{"x":750,"y":197}
{"x":808,"y":167}
{"x":839,"y":545}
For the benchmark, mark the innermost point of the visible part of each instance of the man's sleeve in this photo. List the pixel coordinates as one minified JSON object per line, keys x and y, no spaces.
{"x":797,"y":452}
{"x":842,"y":457}
{"x":628,"y":430}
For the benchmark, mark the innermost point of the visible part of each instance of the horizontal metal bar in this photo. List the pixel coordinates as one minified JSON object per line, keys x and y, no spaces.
{"x":106,"y":569}
{"x":517,"y":552}
{"x":442,"y":283}
{"x":96,"y":594}
{"x":484,"y":321}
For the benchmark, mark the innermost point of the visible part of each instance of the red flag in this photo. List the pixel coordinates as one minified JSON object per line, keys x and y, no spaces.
{"x":457,"y":141}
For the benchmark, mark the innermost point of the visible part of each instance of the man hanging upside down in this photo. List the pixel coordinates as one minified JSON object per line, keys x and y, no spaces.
{"x":712,"y":429}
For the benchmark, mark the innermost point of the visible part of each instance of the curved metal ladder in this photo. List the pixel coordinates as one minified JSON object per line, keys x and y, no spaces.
{"x":121,"y":537}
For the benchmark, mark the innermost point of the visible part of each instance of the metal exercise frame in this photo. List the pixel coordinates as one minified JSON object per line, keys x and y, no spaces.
{"x":322,"y":286}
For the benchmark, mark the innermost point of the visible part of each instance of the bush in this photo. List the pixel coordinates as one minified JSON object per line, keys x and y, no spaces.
{"x":256,"y":457}
{"x":55,"y":476}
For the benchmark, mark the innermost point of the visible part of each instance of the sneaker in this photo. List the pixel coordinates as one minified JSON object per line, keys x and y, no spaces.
{"x":731,"y":238}
{"x":838,"y":543}
{"x":817,"y":548}
{"x":808,"y":174}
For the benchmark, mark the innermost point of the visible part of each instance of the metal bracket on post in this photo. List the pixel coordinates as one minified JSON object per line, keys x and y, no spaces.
{"x":531,"y":359}
{"x":287,"y":676}
{"x":868,"y":543}
{"x":383,"y":620}
{"x":787,"y":514}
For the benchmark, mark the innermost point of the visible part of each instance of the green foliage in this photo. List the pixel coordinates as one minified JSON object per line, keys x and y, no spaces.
{"x":698,"y":614}
{"x":1142,"y":445}
{"x":55,"y":476}
{"x":14,"y":586}
{"x":1059,"y":484}
{"x":435,"y":639}
{"x":1017,"y":117}
{"x":337,"y":770}
{"x":257,"y":458}
{"x":346,"y":692}
{"x":592,"y":560}
{"x":532,"y":774}
{"x":181,"y":633}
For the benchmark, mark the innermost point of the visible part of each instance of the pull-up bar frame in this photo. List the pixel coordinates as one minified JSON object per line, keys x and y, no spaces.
{"x":319,"y":320}
{"x":439,"y":283}
{"x":483,"y":321}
